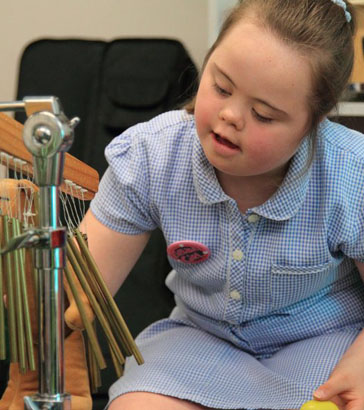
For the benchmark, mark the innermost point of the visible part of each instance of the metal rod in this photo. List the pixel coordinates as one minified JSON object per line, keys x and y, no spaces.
{"x":26,"y":313}
{"x":2,"y":311}
{"x":18,"y":303}
{"x":122,"y":328}
{"x":12,"y":106}
{"x":92,"y":338}
{"x":10,"y":295}
{"x":49,"y":264}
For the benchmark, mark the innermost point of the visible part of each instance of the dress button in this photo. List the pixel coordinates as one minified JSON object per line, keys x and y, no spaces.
{"x":234,"y":294}
{"x":238,"y":255}
{"x":253,"y":218}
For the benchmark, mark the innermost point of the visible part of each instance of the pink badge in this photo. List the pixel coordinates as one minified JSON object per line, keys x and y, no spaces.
{"x":188,"y":251}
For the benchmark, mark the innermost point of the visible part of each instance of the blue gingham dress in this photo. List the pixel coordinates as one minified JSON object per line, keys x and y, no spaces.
{"x":262,"y":322}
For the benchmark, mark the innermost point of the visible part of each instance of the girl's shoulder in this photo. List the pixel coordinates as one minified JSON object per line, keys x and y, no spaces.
{"x":169,"y":123}
{"x":336,"y":139}
{"x":339,"y":159}
{"x":161,"y":145}
{"x":161,"y":134}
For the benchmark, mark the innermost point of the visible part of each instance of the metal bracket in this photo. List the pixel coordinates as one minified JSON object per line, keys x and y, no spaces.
{"x":33,"y":238}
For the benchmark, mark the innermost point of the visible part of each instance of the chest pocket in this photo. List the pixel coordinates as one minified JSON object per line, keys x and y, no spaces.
{"x":290,"y":284}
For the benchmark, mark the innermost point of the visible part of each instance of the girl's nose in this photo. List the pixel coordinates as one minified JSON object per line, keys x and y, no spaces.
{"x":232,"y":117}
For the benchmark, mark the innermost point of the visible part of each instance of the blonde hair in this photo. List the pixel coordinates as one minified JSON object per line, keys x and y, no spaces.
{"x":318,"y":30}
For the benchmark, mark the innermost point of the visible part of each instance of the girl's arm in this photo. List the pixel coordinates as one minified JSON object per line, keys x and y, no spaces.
{"x":345,"y":386}
{"x":114,"y":253}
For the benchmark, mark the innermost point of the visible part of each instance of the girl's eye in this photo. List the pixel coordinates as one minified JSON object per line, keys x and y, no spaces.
{"x":221,"y":91}
{"x":261,"y":118}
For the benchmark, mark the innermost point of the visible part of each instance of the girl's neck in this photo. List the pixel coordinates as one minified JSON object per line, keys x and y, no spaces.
{"x":250,"y":191}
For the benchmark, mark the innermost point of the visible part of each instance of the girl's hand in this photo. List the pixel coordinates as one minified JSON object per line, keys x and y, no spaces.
{"x":345,"y":387}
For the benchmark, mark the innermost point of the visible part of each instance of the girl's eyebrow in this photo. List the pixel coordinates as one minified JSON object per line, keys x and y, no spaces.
{"x":224,"y":74}
{"x":279,"y":111}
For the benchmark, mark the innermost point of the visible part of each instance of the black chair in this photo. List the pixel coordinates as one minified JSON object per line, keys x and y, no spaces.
{"x":111,"y":86}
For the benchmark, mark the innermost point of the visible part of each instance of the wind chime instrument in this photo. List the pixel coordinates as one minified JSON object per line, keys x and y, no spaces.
{"x":32,"y":234}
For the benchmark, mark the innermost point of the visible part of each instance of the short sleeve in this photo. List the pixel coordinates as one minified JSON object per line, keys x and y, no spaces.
{"x":122,"y":202}
{"x":347,"y":222}
{"x":353,"y":245}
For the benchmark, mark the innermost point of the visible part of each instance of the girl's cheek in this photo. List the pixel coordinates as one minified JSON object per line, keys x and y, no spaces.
{"x":262,"y":148}
{"x":202,"y":115}
{"x":258,"y":143}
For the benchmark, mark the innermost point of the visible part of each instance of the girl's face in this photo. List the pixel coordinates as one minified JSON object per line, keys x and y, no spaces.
{"x":251,"y":107}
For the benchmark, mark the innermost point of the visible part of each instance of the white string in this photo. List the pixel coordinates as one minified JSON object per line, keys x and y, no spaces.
{"x":29,"y":216}
{"x":71,"y":185}
{"x":68,"y":219}
{"x":74,"y":210}
{"x":17,"y":205}
{"x":8,"y":204}
{"x":83,"y":192}
{"x":78,"y":207}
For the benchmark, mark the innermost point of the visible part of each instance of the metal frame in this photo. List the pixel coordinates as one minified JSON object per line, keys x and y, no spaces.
{"x":47,"y":134}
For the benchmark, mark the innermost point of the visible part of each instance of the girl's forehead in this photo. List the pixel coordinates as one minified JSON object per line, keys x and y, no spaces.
{"x":249,"y":42}
{"x":260,"y":62}
{"x":249,"y":31}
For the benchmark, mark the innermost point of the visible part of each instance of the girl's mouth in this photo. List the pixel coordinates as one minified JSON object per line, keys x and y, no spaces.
{"x":225,"y":142}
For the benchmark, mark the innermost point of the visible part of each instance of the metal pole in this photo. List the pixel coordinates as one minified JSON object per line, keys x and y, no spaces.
{"x":50,"y":263}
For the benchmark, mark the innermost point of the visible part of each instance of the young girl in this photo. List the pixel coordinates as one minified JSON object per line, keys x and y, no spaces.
{"x":261,"y":200}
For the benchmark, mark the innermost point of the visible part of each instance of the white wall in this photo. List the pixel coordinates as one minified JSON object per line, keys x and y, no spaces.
{"x":217,"y":13}
{"x":23,"y":21}
{"x":194,"y":22}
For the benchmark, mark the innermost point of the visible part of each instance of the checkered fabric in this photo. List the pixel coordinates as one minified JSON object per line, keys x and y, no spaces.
{"x":262,"y":322}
